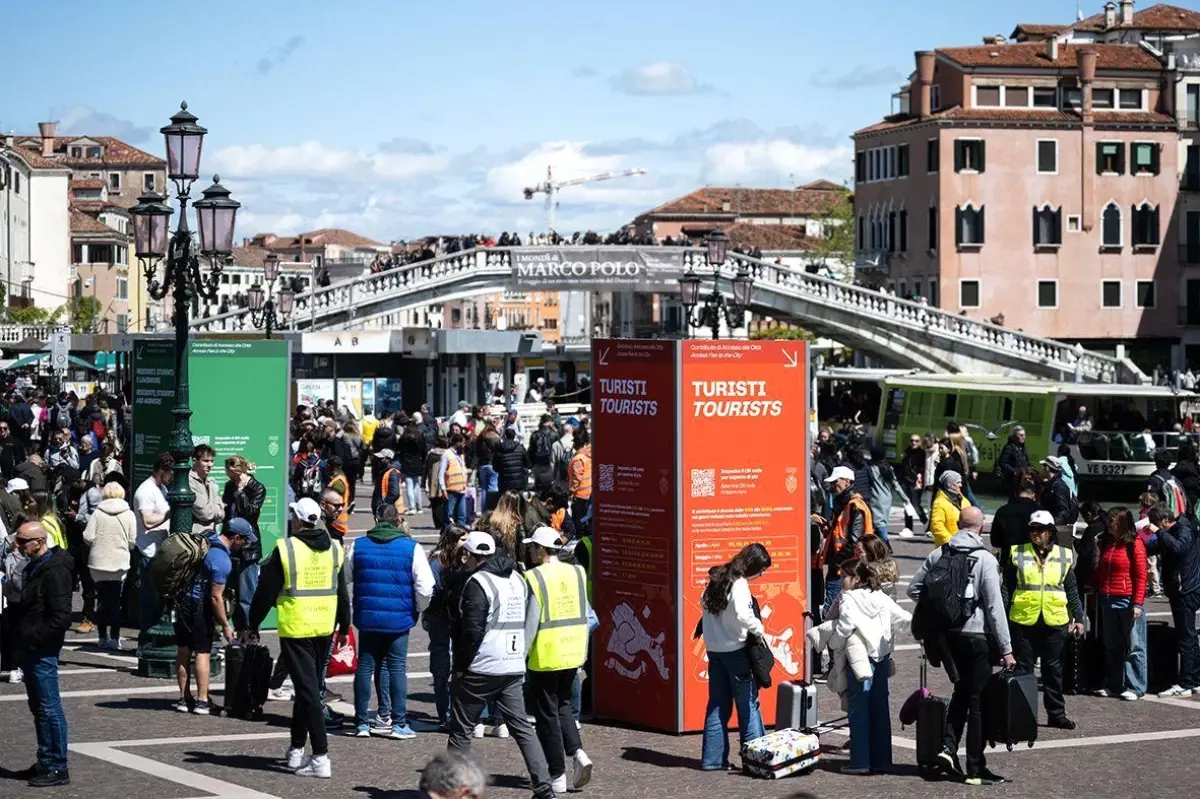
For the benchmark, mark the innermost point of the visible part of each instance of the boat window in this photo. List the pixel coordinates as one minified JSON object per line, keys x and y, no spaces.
{"x":951,"y":406}
{"x":1008,"y":409}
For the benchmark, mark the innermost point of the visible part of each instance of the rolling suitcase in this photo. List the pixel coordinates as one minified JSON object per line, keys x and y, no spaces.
{"x":780,"y":754}
{"x":1010,"y":704}
{"x":931,"y":727}
{"x":247,"y":679}
{"x":1162,"y":656}
{"x":1083,"y":659}
{"x":796,"y":706}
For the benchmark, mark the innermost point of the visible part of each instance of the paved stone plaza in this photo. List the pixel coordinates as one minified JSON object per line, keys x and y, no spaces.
{"x":127,"y":743}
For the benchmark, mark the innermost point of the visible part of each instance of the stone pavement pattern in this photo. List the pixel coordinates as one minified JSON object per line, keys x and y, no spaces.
{"x":127,"y":743}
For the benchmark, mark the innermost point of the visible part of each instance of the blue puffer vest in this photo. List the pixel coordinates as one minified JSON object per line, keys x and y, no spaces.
{"x":384,"y":598}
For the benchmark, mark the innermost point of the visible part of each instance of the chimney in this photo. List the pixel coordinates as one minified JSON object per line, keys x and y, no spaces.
{"x":1087,"y":75}
{"x":1052,"y":49}
{"x":47,"y":129}
{"x":925,"y":66}
{"x":1110,"y":15}
{"x":1126,"y":12}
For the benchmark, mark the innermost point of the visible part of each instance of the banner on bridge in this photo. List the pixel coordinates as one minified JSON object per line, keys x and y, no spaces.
{"x":603,"y":268}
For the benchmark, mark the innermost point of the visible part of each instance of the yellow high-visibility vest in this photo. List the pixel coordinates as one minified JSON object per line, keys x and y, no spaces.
{"x":1041,"y":586}
{"x":562,"y":635}
{"x":308,"y":603}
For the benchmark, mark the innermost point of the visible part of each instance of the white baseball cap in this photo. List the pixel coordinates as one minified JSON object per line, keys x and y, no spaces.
{"x":386,"y":454}
{"x":546,"y":537}
{"x":840,"y":473}
{"x":1041,"y":518}
{"x":306,"y":509}
{"x":17,"y":484}
{"x":480,"y":543}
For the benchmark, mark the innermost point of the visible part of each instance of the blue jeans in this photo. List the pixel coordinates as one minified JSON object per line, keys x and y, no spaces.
{"x":489,"y":482}
{"x":456,"y":507}
{"x":577,"y":695}
{"x":881,"y":528}
{"x":412,"y":491}
{"x":373,"y":649}
{"x":833,"y":589}
{"x":247,"y":584}
{"x":1124,"y":646}
{"x":439,"y":663}
{"x":969,"y":493}
{"x":150,"y":606}
{"x":41,"y":688}
{"x":870,"y":722}
{"x":730,"y":683}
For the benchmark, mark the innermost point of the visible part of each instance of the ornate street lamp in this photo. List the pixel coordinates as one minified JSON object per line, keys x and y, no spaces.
{"x":181,"y":278}
{"x":262,"y":305}
{"x":709,"y":315}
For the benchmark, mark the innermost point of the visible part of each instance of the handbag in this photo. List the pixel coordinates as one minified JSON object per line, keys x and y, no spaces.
{"x":344,"y":660}
{"x":762,"y":661}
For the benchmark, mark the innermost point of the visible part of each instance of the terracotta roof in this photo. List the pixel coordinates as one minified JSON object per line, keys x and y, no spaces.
{"x":1032,"y":55}
{"x":32,"y":155}
{"x":84,"y":223}
{"x":116,"y":152}
{"x":823,"y":185}
{"x":1021,"y":115}
{"x":322,"y":237}
{"x":1031,"y":30}
{"x":756,"y":202}
{"x":250,"y":256}
{"x":87,"y":183}
{"x":1161,"y":17}
{"x":767,"y":237}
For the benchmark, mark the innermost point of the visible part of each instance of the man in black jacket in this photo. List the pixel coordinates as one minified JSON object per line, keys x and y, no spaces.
{"x":12,"y":451}
{"x":541,"y":454}
{"x":511,"y":463}
{"x":43,"y":616}
{"x":1010,"y":525}
{"x":1013,"y":458}
{"x":491,"y":625}
{"x":1056,"y":494}
{"x":1181,"y":576}
{"x":22,"y":420}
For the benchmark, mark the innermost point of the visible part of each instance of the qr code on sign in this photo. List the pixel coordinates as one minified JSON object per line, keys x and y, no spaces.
{"x":606,"y":477}
{"x":704,"y":482}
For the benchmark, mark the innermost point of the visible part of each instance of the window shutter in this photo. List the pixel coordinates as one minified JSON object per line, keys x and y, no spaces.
{"x":982,"y":156}
{"x":980,"y":238}
{"x":1099,"y":158}
{"x":1121,"y":159}
{"x":891,"y":231}
{"x":1057,"y":230}
{"x":958,"y":225}
{"x":1155,"y":154}
{"x":1036,"y":232}
{"x":862,"y":231}
{"x":958,"y":156}
{"x":1154,"y":228}
{"x":904,"y":231}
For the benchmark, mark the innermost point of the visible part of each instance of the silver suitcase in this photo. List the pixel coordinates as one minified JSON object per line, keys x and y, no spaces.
{"x":796,"y":706}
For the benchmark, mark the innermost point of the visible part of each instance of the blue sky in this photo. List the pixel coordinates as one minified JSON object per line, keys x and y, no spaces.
{"x":400,"y":119}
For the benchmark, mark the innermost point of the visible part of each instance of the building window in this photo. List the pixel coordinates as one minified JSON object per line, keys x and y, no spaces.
{"x":1074,"y":223}
{"x":1103,"y":98}
{"x":148,"y":183}
{"x":862,"y":231}
{"x":1131,"y":99}
{"x":860,"y":166}
{"x":1110,"y":158}
{"x":1016,"y":96}
{"x":969,"y":155}
{"x":968,"y":294}
{"x":1145,"y":225}
{"x":93,"y":152}
{"x":1144,"y":158}
{"x":1045,"y":97}
{"x":1110,"y":293}
{"x":16,"y":182}
{"x":1047,"y":227}
{"x":114,"y":181}
{"x":237,"y":280}
{"x":1072,"y":98}
{"x":968,"y":226}
{"x":933,"y":229}
{"x":935,"y":97}
{"x":77,"y":152}
{"x":1145,"y":294}
{"x":931,"y":156}
{"x":1110,"y":224}
{"x":1047,"y":156}
{"x":902,"y":161}
{"x":933,"y":291}
{"x":987,"y":96}
{"x":122,"y":322}
{"x":122,"y":288}
{"x":903,"y":231}
{"x":1047,"y":294}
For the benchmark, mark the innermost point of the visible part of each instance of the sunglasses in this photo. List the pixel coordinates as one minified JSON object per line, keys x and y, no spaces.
{"x":23,"y":541}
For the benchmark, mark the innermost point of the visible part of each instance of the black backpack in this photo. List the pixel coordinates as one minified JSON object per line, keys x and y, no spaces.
{"x":543,"y":447}
{"x":943,"y":604}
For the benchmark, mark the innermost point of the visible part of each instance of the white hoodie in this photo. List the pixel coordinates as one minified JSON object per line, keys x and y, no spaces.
{"x":870,"y":614}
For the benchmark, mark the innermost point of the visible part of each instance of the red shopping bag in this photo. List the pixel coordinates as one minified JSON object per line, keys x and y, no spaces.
{"x":344,"y":660}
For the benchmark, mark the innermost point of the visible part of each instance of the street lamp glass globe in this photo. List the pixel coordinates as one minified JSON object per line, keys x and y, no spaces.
{"x":255,"y":295}
{"x":184,"y":140}
{"x":743,"y":283}
{"x":689,"y":288}
{"x":271,"y":267}
{"x":216,"y":213}
{"x":150,"y":221}
{"x":287,"y":300}
{"x":718,"y":244}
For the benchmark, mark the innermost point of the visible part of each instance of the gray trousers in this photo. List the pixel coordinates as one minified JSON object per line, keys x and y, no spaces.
{"x":471,"y":693}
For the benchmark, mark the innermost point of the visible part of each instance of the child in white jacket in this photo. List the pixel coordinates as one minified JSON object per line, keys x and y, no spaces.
{"x":868,"y":614}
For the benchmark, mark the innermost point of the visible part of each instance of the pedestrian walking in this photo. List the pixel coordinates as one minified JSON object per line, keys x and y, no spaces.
{"x":541,"y":454}
{"x":452,"y":479}
{"x":392,"y":585}
{"x":304,"y":581}
{"x":1121,"y":581}
{"x":244,"y":497}
{"x":111,"y":534}
{"x":153,"y":514}
{"x":445,"y":564}
{"x":1181,"y":575}
{"x":579,"y":474}
{"x":412,"y":452}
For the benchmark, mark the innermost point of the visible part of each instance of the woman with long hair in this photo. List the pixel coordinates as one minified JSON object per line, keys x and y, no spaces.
{"x":730,"y":617}
{"x":1121,"y":583}
{"x":411,"y":451}
{"x":43,"y":510}
{"x":506,"y":522}
{"x":354,"y":464}
{"x":244,"y":497}
{"x":443,"y":562}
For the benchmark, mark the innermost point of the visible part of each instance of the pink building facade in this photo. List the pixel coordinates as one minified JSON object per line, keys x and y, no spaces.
{"x":1034,"y":184}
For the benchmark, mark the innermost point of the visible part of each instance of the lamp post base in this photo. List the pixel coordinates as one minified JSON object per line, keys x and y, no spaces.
{"x":157,"y":658}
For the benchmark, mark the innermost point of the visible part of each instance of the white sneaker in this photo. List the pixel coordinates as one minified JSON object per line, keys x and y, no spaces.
{"x":1176,"y":691}
{"x":1130,"y":696}
{"x":317,"y":766}
{"x":906,"y":533}
{"x":583,"y":770}
{"x":499,"y":731}
{"x":279,"y":695}
{"x":559,"y":784}
{"x":1102,"y":693}
{"x":16,"y":675}
{"x":478,"y":730}
{"x":578,"y":726}
{"x":294,"y":758}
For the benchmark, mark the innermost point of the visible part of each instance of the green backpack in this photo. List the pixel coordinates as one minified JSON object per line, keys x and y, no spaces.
{"x":174,"y":566}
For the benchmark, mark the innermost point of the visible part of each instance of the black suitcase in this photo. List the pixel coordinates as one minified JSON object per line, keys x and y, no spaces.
{"x":1010,"y":704}
{"x":1162,"y":657}
{"x":1083,"y":660}
{"x":931,"y":729}
{"x":247,"y":680}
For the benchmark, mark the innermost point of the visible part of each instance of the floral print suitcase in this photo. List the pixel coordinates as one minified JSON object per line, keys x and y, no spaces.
{"x":781,"y":753}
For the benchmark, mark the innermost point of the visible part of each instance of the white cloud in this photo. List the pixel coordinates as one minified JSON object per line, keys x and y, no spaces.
{"x":567,"y":162}
{"x":659,"y":78}
{"x":312,"y":158}
{"x":765,"y":160}
{"x":83,"y":120}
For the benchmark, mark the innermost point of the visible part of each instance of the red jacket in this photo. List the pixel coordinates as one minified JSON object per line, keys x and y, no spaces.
{"x":1116,"y":577}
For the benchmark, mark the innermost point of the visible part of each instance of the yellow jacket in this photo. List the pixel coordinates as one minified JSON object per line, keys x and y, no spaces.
{"x":943,"y":519}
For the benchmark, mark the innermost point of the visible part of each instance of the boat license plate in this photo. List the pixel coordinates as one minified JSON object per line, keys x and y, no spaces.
{"x":1115,"y":469}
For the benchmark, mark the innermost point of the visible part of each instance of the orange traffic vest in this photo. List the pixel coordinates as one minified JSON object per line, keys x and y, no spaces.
{"x":456,"y":473}
{"x":383,"y":489}
{"x":341,"y":485}
{"x":837,"y":538}
{"x":580,"y":474}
